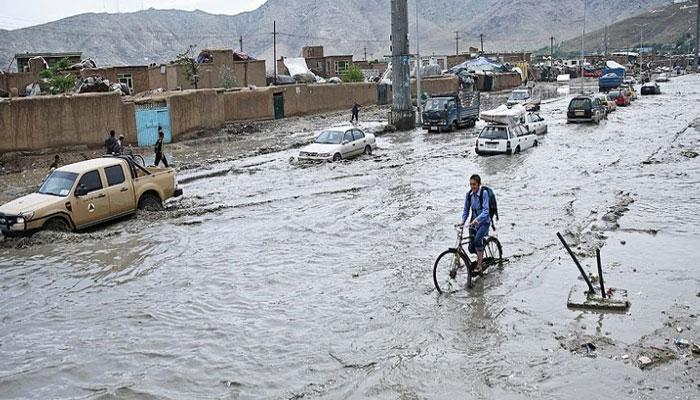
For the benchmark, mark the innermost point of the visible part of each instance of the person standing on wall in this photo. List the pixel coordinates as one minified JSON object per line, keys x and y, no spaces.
{"x":159,"y":148}
{"x":355,"y":112}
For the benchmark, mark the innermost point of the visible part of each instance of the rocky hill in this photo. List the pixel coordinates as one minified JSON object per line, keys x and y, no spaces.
{"x":671,"y":26}
{"x":343,"y":27}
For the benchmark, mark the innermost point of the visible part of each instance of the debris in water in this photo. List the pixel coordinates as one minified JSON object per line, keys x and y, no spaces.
{"x":682,"y":343}
{"x":644,"y":362}
{"x":625,"y":356}
{"x":689,"y":154}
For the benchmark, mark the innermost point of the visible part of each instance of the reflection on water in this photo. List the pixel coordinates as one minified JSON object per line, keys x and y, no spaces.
{"x":315,"y":281}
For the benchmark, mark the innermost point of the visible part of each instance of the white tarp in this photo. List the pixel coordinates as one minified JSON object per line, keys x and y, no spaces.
{"x":504,"y":115}
{"x":563,"y":78}
{"x":296,"y":66}
{"x":613,"y":65}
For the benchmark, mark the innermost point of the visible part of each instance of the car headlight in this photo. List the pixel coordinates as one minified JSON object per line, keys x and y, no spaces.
{"x":324,"y":155}
{"x":303,"y":153}
{"x":19,"y":221}
{"x":27,"y":216}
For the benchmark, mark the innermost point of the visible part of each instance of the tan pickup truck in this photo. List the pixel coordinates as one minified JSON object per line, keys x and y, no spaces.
{"x":88,"y":193}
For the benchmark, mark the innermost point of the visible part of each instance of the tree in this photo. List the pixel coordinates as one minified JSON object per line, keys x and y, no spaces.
{"x":55,"y":81}
{"x":353,"y":74}
{"x":191,"y":67}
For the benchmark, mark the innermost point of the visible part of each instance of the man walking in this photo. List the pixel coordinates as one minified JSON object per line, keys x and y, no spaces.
{"x":477,"y":202}
{"x":159,"y":148}
{"x":111,"y":144}
{"x":355,"y":113}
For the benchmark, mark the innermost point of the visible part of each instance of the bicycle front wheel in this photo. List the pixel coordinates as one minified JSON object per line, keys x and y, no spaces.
{"x":451,"y":272}
{"x":493,"y":252}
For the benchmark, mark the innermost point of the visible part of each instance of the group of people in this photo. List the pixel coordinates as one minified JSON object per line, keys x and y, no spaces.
{"x":117,"y":146}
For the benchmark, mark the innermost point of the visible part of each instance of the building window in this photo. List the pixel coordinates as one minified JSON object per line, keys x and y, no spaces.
{"x":127,"y":80}
{"x":341,"y":66}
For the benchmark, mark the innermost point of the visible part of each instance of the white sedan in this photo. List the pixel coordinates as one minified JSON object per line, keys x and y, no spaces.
{"x":535,"y":124}
{"x":335,"y":144}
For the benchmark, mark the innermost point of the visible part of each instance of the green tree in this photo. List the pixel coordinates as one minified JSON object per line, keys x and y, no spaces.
{"x":353,"y":74}
{"x":55,"y":80}
{"x":191,"y":67}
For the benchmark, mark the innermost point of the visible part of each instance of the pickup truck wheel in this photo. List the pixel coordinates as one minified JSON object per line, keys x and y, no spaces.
{"x":57,"y":224}
{"x":536,"y":144}
{"x":150,"y":202}
{"x":517,"y":150}
{"x":337,"y":157}
{"x":368,"y":150}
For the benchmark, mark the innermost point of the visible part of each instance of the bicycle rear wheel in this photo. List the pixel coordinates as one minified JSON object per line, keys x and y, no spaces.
{"x":493,"y":251}
{"x":451,"y":272}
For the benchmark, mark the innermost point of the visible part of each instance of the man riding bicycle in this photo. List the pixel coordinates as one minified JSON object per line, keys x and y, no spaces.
{"x":477,"y":201}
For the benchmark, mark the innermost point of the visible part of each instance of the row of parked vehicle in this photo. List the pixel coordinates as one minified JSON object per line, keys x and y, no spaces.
{"x":597,"y":107}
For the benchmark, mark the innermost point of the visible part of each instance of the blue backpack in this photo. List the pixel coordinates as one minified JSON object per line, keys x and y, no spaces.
{"x":493,"y":204}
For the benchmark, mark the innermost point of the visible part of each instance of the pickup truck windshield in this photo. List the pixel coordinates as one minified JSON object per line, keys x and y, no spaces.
{"x":59,"y":183}
{"x":436,"y":104}
{"x":330,"y":137}
{"x":494,"y":133}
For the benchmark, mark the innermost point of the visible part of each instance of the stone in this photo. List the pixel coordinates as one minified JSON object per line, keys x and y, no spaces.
{"x":644,"y":362}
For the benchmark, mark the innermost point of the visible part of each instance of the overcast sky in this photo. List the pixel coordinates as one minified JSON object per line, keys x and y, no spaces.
{"x":22,"y":13}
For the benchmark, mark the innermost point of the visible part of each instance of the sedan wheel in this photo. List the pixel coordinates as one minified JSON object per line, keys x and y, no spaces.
{"x":368,"y":150}
{"x":337,"y":157}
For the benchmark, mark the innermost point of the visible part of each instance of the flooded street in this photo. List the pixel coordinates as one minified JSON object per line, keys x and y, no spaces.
{"x":271,"y":279}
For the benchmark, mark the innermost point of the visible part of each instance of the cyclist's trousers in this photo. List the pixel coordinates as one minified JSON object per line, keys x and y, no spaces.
{"x":477,"y":244}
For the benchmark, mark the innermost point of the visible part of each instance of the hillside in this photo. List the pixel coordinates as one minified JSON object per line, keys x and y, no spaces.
{"x":672,"y":25}
{"x":343,"y":27}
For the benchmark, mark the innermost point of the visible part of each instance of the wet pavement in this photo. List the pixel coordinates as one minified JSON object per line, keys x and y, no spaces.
{"x":271,"y":279}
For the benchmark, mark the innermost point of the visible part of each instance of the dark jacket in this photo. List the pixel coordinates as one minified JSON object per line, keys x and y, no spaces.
{"x":112,"y":145}
{"x":159,"y":146}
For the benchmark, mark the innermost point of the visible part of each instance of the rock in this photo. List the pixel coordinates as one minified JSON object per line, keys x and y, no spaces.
{"x":622,"y":242}
{"x":644,"y":362}
{"x":695,"y":349}
{"x":689,"y":154}
{"x":679,"y":329}
{"x":355,"y":274}
{"x":682,"y":343}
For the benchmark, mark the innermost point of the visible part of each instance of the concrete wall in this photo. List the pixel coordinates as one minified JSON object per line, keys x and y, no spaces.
{"x":194,"y":110}
{"x":59,"y":121}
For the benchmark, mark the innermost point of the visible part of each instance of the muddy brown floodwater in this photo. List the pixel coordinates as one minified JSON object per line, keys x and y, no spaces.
{"x":275,"y":280}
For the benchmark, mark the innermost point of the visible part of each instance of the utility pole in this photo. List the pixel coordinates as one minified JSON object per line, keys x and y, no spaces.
{"x":274,"y":47}
{"x":605,"y":44}
{"x":419,"y":106}
{"x":456,"y":43}
{"x":403,"y":116}
{"x":697,"y":38}
{"x":583,"y":41}
{"x":240,"y":42}
{"x":481,"y":37}
{"x":365,"y":54}
{"x":641,"y":50}
{"x":551,"y":51}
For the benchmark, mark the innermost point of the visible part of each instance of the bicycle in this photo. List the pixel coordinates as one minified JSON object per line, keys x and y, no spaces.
{"x":449,"y":270}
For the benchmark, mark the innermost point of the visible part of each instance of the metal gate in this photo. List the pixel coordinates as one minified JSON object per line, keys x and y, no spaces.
{"x":381,"y":94}
{"x":148,"y":118}
{"x":279,"y":105}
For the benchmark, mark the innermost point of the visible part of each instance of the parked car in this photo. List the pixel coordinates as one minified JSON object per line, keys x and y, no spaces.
{"x":504,"y":139}
{"x":663,"y":77}
{"x":629,"y":80}
{"x":535,"y":123}
{"x":610,"y":104}
{"x":631,"y":91}
{"x":335,"y":144}
{"x":451,"y":111}
{"x":619,"y":97}
{"x":523,"y":97}
{"x":585,"y":109}
{"x":651,"y":88}
{"x":88,"y":193}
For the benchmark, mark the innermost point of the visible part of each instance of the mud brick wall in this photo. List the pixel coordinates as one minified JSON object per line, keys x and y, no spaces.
{"x":194,"y":110}
{"x":309,"y":99}
{"x":256,"y":73}
{"x":61,"y":121}
{"x":248,"y":105}
{"x":156,"y":80}
{"x":16,"y":81}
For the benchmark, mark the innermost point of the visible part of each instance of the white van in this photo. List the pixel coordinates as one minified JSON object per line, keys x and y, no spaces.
{"x":504,"y":139}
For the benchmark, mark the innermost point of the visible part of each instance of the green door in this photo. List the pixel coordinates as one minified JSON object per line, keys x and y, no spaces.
{"x":279,"y":105}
